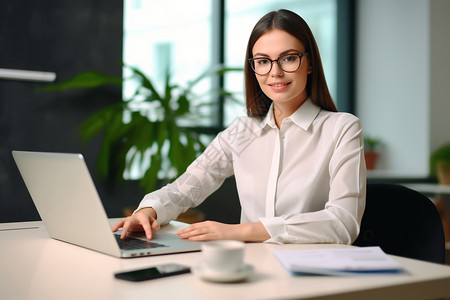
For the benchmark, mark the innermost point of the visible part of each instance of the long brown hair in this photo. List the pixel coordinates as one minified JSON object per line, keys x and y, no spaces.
{"x":257,"y":102}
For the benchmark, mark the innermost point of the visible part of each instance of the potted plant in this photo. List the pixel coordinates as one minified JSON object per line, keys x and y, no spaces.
{"x":440,"y":164}
{"x":143,"y":133}
{"x":371,"y":152}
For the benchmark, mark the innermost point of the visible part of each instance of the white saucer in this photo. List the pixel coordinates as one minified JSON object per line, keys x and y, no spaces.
{"x":207,"y":274}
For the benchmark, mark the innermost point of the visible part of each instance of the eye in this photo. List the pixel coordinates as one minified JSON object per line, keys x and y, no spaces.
{"x":262,"y":61}
{"x":290,"y":58}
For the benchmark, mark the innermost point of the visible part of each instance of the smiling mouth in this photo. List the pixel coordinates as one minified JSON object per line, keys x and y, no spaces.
{"x":278,"y":84}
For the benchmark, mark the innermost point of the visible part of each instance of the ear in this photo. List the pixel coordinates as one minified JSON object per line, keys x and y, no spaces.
{"x":309,"y":69}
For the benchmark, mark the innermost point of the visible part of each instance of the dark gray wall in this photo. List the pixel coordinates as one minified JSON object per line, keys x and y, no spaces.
{"x":66,"y":37}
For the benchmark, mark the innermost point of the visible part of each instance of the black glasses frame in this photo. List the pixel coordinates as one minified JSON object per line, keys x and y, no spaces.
{"x":252,"y":60}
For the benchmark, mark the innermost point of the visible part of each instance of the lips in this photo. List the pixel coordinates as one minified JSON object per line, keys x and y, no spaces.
{"x":279,"y":86}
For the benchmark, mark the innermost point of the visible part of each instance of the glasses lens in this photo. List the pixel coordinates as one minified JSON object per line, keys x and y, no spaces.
{"x":261,"y":65}
{"x":289,"y":62}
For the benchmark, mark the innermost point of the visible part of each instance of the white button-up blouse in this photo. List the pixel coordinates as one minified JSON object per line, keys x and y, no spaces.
{"x":306,"y":181}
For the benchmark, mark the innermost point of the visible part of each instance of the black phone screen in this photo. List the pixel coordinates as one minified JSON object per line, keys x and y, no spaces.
{"x":158,"y":271}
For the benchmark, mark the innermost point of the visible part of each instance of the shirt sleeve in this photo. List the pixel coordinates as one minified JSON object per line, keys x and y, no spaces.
{"x":339,"y":221}
{"x":205,"y":175}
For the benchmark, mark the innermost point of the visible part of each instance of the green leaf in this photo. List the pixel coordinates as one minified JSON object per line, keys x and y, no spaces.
{"x":208,"y":73}
{"x":175,"y":150}
{"x":190,"y":152}
{"x":442,"y":154}
{"x":140,"y":132}
{"x":127,"y":164}
{"x":146,"y":82}
{"x":194,"y":82}
{"x":89,"y":79}
{"x":231,"y":96}
{"x":225,"y":70}
{"x":167,"y":89}
{"x":162,"y":133}
{"x":149,"y":181}
{"x":98,"y":121}
{"x":92,"y":126}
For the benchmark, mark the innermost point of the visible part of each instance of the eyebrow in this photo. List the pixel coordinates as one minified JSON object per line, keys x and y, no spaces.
{"x":282,"y":53}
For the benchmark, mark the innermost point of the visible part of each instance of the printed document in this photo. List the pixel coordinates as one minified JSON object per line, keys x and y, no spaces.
{"x":338,"y":261}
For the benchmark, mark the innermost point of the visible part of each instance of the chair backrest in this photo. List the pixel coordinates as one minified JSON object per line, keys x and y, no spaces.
{"x":402,"y":222}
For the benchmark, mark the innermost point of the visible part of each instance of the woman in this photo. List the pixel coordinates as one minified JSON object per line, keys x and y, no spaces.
{"x":298,"y":163}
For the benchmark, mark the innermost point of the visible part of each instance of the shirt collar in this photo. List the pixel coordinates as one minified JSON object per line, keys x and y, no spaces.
{"x":302,"y":117}
{"x":305,"y":114}
{"x":269,"y":120}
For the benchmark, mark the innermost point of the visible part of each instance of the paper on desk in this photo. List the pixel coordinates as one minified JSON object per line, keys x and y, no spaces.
{"x":337,"y":261}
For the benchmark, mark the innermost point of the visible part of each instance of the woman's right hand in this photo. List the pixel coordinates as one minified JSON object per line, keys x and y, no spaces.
{"x":142,"y":220}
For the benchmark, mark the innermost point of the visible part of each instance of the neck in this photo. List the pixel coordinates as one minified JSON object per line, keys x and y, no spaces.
{"x":284,"y":110}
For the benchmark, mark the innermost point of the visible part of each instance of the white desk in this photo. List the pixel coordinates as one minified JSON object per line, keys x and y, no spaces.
{"x":429,"y":188}
{"x":33,"y":266}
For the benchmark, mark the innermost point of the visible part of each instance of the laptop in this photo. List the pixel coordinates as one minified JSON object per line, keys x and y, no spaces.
{"x":67,"y":201}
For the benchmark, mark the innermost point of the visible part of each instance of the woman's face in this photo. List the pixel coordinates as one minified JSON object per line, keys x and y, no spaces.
{"x":281,"y":87}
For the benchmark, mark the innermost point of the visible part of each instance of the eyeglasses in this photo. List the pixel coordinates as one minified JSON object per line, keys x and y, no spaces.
{"x":288,"y":63}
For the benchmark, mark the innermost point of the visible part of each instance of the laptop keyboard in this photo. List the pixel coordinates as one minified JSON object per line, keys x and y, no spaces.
{"x":132,"y":244}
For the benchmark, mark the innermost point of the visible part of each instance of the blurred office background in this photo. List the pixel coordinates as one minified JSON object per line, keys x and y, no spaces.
{"x":385,"y":61}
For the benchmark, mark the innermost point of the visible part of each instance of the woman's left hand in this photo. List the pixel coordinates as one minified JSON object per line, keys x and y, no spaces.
{"x":210,"y":230}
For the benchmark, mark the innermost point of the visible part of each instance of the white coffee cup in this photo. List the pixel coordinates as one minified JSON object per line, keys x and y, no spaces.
{"x":223,"y":256}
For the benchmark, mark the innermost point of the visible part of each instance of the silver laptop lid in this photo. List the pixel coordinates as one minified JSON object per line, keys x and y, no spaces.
{"x":66,"y":199}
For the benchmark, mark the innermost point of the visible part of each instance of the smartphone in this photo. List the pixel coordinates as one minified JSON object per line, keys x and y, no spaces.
{"x":158,"y":271}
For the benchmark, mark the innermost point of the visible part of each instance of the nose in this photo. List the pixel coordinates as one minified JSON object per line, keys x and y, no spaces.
{"x":276,"y":70}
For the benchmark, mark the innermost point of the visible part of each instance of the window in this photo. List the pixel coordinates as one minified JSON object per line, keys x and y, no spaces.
{"x":168,"y":35}
{"x":241,"y":16}
{"x":186,"y":39}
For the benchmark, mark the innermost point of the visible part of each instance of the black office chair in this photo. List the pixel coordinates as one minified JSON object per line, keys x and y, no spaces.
{"x":402,"y":222}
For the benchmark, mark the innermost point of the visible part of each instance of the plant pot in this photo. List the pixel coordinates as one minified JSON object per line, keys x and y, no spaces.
{"x":443,"y":172}
{"x":371,"y":159}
